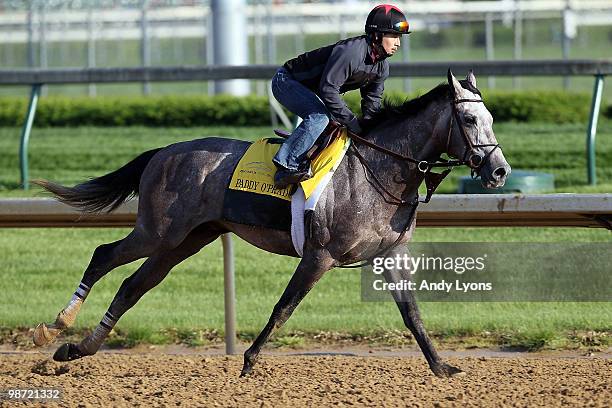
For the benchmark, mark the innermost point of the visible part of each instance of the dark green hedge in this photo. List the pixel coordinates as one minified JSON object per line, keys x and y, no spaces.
{"x":528,"y":106}
{"x":608,"y":112}
{"x":185,"y":111}
{"x":181,"y":111}
{"x":539,"y":106}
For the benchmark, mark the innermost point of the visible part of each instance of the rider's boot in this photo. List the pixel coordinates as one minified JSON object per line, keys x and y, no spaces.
{"x":285,"y":177}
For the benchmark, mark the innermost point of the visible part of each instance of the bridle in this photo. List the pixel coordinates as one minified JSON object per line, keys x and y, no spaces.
{"x":470,"y":157}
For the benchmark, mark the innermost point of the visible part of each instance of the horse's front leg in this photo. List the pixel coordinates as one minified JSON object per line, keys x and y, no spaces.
{"x":412,"y":318}
{"x":308,"y":272}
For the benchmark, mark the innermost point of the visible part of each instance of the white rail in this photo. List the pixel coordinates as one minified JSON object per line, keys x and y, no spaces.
{"x":73,"y":24}
{"x":444,"y":210}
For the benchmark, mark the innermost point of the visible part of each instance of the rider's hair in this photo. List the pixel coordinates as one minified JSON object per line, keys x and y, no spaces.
{"x":376,"y":37}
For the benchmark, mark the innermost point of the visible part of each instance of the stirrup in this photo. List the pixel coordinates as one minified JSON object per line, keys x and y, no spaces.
{"x":285,"y":177}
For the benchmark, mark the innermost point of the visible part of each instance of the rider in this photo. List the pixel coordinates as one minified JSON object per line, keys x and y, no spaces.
{"x":310,"y":86}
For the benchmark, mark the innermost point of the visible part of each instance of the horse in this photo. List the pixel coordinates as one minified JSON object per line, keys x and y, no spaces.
{"x":376,"y":183}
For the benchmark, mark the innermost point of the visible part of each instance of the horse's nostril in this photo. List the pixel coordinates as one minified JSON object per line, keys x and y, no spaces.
{"x":499,"y":173}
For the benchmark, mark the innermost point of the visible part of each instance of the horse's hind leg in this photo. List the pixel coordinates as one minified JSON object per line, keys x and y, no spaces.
{"x":105,"y":258}
{"x":149,"y":275}
{"x":412,"y":318}
{"x":308,"y":272}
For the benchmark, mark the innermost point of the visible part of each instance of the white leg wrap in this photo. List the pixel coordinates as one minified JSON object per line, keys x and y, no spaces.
{"x":82,"y":291}
{"x":91,"y":344}
{"x":46,"y":333}
{"x":68,"y":315}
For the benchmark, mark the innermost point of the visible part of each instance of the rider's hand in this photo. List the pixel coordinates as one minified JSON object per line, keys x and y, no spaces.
{"x":354,"y":126}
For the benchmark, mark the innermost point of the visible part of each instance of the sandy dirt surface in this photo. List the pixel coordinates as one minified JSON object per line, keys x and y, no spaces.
{"x":171,"y":378}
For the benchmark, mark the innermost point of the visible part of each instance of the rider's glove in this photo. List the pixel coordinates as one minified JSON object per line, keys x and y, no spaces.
{"x":354,"y":126}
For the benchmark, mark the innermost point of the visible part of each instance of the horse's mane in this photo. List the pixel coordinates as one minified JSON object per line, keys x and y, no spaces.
{"x":393,"y":109}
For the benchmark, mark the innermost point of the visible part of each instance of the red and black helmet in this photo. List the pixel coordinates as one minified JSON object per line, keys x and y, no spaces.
{"x":386,"y":19}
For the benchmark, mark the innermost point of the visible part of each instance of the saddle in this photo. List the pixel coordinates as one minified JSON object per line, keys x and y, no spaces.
{"x":332,"y":131}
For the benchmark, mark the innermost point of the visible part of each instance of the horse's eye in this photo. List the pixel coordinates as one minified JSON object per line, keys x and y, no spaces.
{"x":470,"y":120}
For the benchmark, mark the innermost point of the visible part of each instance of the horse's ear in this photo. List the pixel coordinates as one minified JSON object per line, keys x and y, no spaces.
{"x":471,"y":78}
{"x":454,"y":84}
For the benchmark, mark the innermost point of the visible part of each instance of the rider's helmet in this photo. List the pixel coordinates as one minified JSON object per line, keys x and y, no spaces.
{"x":386,"y":18}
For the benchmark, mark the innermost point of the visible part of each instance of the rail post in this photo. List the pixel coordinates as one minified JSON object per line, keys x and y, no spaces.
{"x":230,"y":294}
{"x":25,"y":136}
{"x":592,"y":129}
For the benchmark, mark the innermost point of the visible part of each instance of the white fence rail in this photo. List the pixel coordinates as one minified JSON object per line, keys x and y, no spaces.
{"x":461,"y":210}
{"x":438,"y":69}
{"x":70,"y":23}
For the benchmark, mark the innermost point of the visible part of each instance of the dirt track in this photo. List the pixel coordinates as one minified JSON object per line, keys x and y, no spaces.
{"x":159,"y":379}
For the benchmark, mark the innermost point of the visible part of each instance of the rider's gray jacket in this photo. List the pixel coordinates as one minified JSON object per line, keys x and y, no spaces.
{"x":349,"y":64}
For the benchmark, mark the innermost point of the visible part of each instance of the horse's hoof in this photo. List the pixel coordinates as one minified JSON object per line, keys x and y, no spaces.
{"x":447,"y":370}
{"x":247,"y":367}
{"x":67,"y":352}
{"x":44,"y":335}
{"x":246,"y":370}
{"x":459,"y":373}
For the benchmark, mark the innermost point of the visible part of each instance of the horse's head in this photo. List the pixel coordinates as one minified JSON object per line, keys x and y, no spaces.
{"x":470,"y":137}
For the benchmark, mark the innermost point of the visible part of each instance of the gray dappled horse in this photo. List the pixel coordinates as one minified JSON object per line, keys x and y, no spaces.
{"x":367,"y":210}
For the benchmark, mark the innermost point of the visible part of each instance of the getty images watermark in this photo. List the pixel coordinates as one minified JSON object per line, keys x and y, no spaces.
{"x":412,"y":264}
{"x":493,"y":272}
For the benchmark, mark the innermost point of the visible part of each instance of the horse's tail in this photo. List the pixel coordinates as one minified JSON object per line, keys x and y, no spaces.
{"x":105,"y":192}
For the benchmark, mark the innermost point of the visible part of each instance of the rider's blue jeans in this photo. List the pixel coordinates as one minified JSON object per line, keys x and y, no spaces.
{"x":307,"y":105}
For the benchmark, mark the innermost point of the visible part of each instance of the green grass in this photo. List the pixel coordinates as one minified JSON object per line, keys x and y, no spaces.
{"x":556,"y":149}
{"x":41,"y":267}
{"x":70,"y":155}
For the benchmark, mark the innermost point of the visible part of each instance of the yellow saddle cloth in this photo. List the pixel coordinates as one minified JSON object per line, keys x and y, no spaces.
{"x":255,"y":171}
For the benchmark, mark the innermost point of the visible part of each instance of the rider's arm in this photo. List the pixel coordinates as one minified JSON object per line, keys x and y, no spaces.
{"x":371,"y":94}
{"x":337,"y":70}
